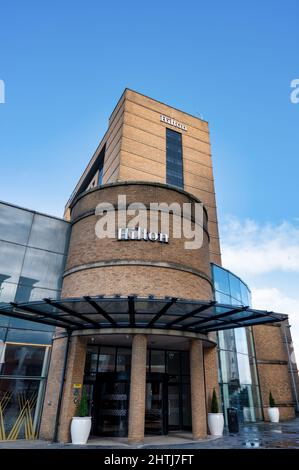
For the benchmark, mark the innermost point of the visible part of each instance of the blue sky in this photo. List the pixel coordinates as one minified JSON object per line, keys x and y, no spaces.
{"x":65,"y":64}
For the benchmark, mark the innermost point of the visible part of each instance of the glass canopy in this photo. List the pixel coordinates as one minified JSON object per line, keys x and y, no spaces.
{"x":166,"y":313}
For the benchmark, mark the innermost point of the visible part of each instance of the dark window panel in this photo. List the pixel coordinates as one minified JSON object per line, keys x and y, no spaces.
{"x":23,"y":360}
{"x":174,"y":158}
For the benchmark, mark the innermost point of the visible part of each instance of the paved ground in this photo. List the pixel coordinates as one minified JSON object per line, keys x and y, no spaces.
{"x":258,"y":435}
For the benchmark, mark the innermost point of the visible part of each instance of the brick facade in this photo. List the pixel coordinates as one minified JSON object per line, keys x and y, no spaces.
{"x":135,"y":166}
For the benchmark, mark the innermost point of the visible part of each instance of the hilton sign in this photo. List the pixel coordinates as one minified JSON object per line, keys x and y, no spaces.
{"x":173,"y":122}
{"x":139,"y":233}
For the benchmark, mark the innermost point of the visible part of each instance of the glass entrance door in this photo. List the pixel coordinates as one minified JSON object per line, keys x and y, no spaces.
{"x":174,"y":421}
{"x":111,"y":398}
{"x":167,"y":405}
{"x":155,"y":408}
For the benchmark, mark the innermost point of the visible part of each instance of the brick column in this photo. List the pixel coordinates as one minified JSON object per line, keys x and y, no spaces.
{"x":137,"y":389}
{"x":211,"y":375}
{"x":48,"y":419}
{"x":74,"y":375}
{"x":198,"y":402}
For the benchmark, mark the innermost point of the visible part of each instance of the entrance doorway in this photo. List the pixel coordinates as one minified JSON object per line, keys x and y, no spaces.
{"x":110,"y":404}
{"x":167,"y":401}
{"x":167,"y":405}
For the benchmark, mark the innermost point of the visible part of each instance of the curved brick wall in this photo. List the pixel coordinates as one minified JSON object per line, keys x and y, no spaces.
{"x":109,"y":266}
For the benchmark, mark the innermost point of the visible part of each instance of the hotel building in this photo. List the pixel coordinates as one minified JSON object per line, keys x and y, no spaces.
{"x":147,"y":326}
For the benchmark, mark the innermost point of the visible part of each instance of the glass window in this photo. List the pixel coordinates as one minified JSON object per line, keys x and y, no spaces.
{"x":42,"y":269}
{"x":250,"y":342}
{"x":235,"y":287}
{"x":101,"y":172}
{"x":244,"y":369}
{"x":185,"y":362}
{"x":49,"y":234}
{"x":241,"y":340}
{"x":226,"y":340}
{"x":186,"y":409}
{"x":123,"y":360}
{"x":174,"y":158}
{"x":91,"y":360}
{"x":229,"y":367}
{"x":173,"y":362}
{"x":2,"y":334}
{"x":157,"y":361}
{"x":15,"y":224}
{"x":101,"y":165}
{"x":106,"y":360}
{"x":21,"y":398}
{"x":221,"y":281}
{"x":7,"y":293}
{"x":11,"y":260}
{"x":23,"y":360}
{"x":245,"y":294}
{"x":31,"y":336}
{"x":27,"y":293}
{"x":222,"y":298}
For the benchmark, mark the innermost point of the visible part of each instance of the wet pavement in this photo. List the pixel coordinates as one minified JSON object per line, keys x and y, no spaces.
{"x":262,"y":435}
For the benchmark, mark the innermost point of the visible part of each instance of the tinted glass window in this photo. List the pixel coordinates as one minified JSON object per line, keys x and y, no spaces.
{"x":157,"y":361}
{"x":31,"y":336}
{"x":173,"y":362}
{"x":42,"y":269}
{"x":7,"y":292}
{"x":245,"y":294}
{"x":91,"y":360}
{"x":15,"y":224}
{"x":22,"y":401}
{"x":49,"y":234}
{"x":107,"y":360}
{"x":123,"y":360}
{"x":23,"y":360}
{"x":174,"y":158}
{"x":221,"y":281}
{"x":244,"y":369}
{"x":11,"y":260}
{"x":235,"y":287}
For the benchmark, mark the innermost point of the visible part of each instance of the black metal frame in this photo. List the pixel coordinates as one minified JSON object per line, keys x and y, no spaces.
{"x":64,"y":315}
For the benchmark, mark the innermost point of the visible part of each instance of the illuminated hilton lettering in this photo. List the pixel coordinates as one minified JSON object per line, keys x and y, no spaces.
{"x":139,"y":233}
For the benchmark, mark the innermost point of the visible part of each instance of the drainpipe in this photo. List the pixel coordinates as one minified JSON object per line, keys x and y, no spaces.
{"x":291,"y":367}
{"x":57,"y":419}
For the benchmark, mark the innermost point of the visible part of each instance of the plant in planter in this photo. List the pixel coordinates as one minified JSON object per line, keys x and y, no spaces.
{"x":273,"y":411}
{"x":215,"y":419}
{"x":81,"y":422}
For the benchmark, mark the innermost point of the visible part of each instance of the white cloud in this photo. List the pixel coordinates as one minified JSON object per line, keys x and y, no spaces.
{"x":252,"y":248}
{"x":263,"y":253}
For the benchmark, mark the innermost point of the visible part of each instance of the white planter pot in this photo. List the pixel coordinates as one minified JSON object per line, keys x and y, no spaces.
{"x":216,"y":423}
{"x":80,"y":429}
{"x":273,"y":413}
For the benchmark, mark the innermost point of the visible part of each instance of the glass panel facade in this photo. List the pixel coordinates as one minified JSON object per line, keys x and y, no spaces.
{"x":22,"y":381}
{"x":174,"y":158}
{"x":237,"y":372}
{"x":32,"y":257}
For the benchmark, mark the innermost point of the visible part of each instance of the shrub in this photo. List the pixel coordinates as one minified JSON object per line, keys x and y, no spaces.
{"x":271,"y":400}
{"x":82,"y":407}
{"x":214,"y":404}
